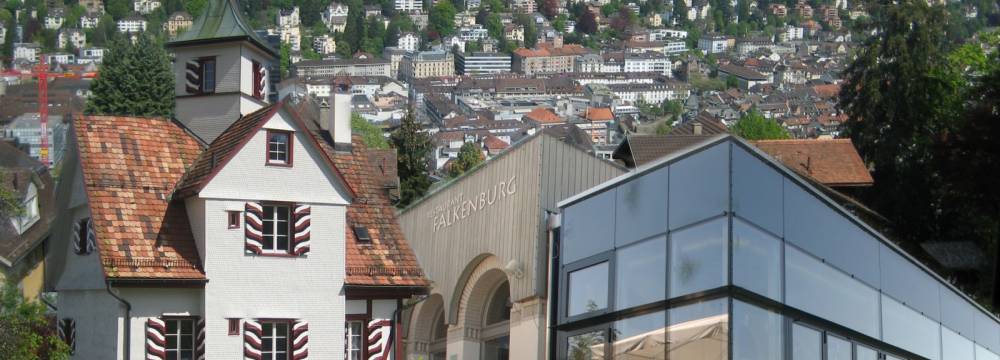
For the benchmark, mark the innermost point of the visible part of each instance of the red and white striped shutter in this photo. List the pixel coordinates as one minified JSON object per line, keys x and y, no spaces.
{"x":303,"y":225}
{"x":67,"y":333}
{"x":192,"y":76}
{"x":378,"y":342}
{"x":259,"y":80}
{"x":156,"y":340}
{"x":300,"y":340}
{"x":91,"y":236}
{"x":199,"y":340}
{"x":76,"y":238}
{"x":254,"y":228}
{"x":252,"y":334}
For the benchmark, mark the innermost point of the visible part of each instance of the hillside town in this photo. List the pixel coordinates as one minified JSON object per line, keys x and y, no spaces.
{"x":494,"y":179}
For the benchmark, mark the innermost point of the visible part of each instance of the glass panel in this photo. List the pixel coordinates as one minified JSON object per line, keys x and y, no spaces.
{"x":642,"y":207}
{"x":807,"y":344}
{"x":757,"y":191}
{"x":825,"y":233}
{"x":699,"y":186}
{"x":497,"y":349}
{"x":642,"y":273}
{"x":983,"y":354}
{"x":904,"y":281}
{"x":698,"y":258}
{"x":698,"y":331}
{"x":588,"y":289}
{"x":817,"y":288}
{"x":640,"y":337}
{"x":586,"y":346}
{"x":587,"y":227}
{"x":756,"y":333}
{"x":907,"y":329}
{"x":956,"y":313}
{"x":837,"y":348}
{"x":864,"y":353}
{"x":756,"y":260}
{"x":987,"y":332}
{"x":956,"y":347}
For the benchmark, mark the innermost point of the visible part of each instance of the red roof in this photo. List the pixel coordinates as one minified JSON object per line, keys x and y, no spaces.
{"x":595,"y":114}
{"x":543,"y":116}
{"x":130,"y":167}
{"x":832,"y":162}
{"x":494,"y":143}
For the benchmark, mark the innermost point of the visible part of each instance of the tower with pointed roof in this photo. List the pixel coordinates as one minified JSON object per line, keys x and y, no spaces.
{"x":221,"y":70}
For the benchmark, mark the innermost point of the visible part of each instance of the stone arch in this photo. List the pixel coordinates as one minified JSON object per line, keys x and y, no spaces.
{"x":473,"y":271}
{"x":422,"y":324}
{"x":475,"y":296}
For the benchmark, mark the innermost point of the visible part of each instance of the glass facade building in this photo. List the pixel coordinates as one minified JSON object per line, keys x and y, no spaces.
{"x":720,"y":252}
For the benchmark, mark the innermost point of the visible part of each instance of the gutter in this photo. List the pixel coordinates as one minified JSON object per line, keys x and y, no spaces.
{"x":128,"y":320}
{"x":397,"y":318}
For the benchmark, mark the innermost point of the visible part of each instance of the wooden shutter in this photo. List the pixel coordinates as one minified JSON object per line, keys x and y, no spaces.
{"x":156,"y":340}
{"x":199,"y":340}
{"x":254,"y":228}
{"x":303,"y":224}
{"x":67,"y":333}
{"x":300,"y":340}
{"x":378,"y":343}
{"x":259,"y":80}
{"x":84,"y":227}
{"x":192,"y":76}
{"x":252,"y":333}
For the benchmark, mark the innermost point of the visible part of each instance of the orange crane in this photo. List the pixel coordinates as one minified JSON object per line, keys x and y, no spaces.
{"x":41,"y":71}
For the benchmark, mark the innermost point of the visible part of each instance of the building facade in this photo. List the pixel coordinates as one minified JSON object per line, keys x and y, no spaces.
{"x":720,"y":252}
{"x":361,"y":64}
{"x":482,"y":242}
{"x":426,"y":64}
{"x":479,"y":63}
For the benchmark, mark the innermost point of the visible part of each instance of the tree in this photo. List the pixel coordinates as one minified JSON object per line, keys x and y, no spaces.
{"x":732,"y":82}
{"x":136,"y":80}
{"x":412,"y":148}
{"x":469,"y":155}
{"x":285,"y":60}
{"x":587,"y":23}
{"x":196,"y":7}
{"x":441,"y":19}
{"x":119,"y":9}
{"x":24,"y":329}
{"x":10,"y":206}
{"x":371,"y":134}
{"x":550,"y":8}
{"x":354,"y":30}
{"x":753,"y":126}
{"x":680,"y":12}
{"x":7,"y":50}
{"x":663,"y":128}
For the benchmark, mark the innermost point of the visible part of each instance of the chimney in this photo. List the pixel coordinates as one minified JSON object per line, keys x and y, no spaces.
{"x":339,"y":124}
{"x":697,"y":128}
{"x":325,"y":114}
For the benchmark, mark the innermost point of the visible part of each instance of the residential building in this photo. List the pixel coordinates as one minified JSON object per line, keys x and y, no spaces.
{"x":91,"y":55}
{"x":178,"y":22}
{"x":27,"y":51}
{"x":409,"y":41}
{"x":426,"y":64}
{"x":26,"y":130}
{"x":779,"y":10}
{"x":212,"y":88}
{"x":714,"y":44}
{"x":647,"y":62}
{"x":362,"y":64}
{"x":60,"y":57}
{"x":409,"y":6}
{"x":493,"y":282}
{"x":514,"y":32}
{"x":395,"y":56}
{"x":482,"y":63}
{"x":650,"y":93}
{"x":3,"y":33}
{"x":546,"y":58}
{"x":473,"y":33}
{"x":804,"y":10}
{"x":746,"y":77}
{"x":523,"y":6}
{"x":93,"y":6}
{"x":22,"y":237}
{"x":132,"y":24}
{"x":74,"y":37}
{"x":666,"y":34}
{"x":55,"y":18}
{"x":289,"y":28}
{"x":324,"y":44}
{"x":145,"y":7}
{"x":90,"y":20}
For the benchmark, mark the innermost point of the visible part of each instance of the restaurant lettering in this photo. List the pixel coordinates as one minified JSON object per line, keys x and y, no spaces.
{"x":461,"y":207}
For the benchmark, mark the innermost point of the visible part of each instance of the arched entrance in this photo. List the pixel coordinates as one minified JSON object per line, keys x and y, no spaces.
{"x":496,"y":324}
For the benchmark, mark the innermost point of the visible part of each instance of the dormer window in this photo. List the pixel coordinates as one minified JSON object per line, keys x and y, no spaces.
{"x":200,"y":76}
{"x":279,"y":148}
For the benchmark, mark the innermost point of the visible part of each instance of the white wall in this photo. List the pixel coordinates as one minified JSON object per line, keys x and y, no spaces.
{"x":357,"y":307}
{"x":227,"y":65}
{"x":147,"y":303}
{"x":97,"y":317}
{"x":248,"y":55}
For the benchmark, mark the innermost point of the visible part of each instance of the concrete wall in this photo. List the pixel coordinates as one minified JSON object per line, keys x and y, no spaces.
{"x":227,"y":65}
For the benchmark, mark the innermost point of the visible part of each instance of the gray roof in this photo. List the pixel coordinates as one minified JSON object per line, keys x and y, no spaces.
{"x":221,"y":21}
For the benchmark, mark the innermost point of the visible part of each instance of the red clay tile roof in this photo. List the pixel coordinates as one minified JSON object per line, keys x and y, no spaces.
{"x":130,"y":167}
{"x":599,"y":114}
{"x":494,"y":143}
{"x":543,"y":116}
{"x":832,"y":162}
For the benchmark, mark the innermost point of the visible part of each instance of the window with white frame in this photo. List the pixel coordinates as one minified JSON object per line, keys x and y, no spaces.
{"x":279,"y":148}
{"x":274,"y":343}
{"x":353,"y":333}
{"x":276,"y":227}
{"x":180,"y":338}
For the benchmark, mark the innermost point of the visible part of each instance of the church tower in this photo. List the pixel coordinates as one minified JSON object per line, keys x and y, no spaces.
{"x":221,"y":70}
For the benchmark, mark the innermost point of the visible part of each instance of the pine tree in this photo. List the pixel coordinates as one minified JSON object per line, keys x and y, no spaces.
{"x":412,"y":146}
{"x":135,"y":80}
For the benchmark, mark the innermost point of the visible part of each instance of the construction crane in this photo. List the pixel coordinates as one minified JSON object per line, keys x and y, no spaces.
{"x":41,"y":71}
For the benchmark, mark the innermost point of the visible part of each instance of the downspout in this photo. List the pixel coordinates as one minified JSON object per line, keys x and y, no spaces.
{"x":397,"y":318}
{"x":128,"y":319}
{"x":553,"y":224}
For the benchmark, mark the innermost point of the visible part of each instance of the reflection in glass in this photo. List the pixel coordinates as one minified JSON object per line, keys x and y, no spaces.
{"x":641,"y":277}
{"x":837,"y":348}
{"x":817,"y":288}
{"x":699,"y":186}
{"x":642,"y":207}
{"x":641,"y":337}
{"x":588,"y":289}
{"x":588,"y":227}
{"x":586,"y":346}
{"x":698,"y":331}
{"x":499,"y":306}
{"x":956,"y":313}
{"x":987,"y":332}
{"x":756,"y":260}
{"x":757,"y":191}
{"x":955,"y":347}
{"x":756,"y":333}
{"x":698,"y":258}
{"x":497,"y":349}
{"x":807,"y":344}
{"x":864,"y":353}
{"x":911,"y":285}
{"x":907,"y":329}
